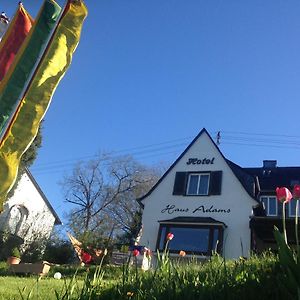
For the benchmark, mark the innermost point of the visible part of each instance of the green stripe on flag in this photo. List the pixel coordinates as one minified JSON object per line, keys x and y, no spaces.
{"x":14,"y":83}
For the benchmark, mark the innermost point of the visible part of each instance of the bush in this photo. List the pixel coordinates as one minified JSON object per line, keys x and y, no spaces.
{"x":34,"y":252}
{"x":7,"y":243}
{"x":15,"y":252}
{"x":61,"y":252}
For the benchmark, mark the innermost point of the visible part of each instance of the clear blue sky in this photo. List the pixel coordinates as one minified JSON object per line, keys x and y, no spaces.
{"x":149,"y":72}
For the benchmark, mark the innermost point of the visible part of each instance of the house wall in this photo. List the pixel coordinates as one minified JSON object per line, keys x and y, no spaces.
{"x":26,"y":214}
{"x":233,"y":199}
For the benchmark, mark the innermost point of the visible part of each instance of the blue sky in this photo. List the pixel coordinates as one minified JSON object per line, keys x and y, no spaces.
{"x":157,"y":72}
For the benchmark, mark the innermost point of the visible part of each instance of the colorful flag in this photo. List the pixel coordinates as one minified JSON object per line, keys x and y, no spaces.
{"x":83,"y":256}
{"x":76,"y":244}
{"x":11,"y":42}
{"x":33,"y":107}
{"x":16,"y":79}
{"x":4,"y":20}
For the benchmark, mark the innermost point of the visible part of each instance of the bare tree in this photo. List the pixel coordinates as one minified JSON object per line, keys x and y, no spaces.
{"x":103,"y":193}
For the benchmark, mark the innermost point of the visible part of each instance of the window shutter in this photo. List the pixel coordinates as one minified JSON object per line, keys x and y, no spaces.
{"x":180,"y":183}
{"x":215,"y":183}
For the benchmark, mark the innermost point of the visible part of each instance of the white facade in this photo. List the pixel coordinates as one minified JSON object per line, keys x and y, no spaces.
{"x":28,"y":214}
{"x":233,"y":206}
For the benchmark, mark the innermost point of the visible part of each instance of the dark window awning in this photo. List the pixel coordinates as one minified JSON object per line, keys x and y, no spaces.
{"x":263,"y":228}
{"x":193,"y":221}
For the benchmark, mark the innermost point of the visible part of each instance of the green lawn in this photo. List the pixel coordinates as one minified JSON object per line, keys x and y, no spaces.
{"x":12,"y":286}
{"x":253,"y":279}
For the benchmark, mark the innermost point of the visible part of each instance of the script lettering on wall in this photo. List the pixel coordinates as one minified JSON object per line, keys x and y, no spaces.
{"x":202,"y":161}
{"x":171,"y":208}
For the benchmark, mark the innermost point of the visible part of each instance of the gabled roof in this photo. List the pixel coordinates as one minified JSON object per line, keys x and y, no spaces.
{"x":57,"y":219}
{"x":247,"y":180}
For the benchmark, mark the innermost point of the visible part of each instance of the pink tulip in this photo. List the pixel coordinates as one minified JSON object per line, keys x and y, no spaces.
{"x":283,"y":194}
{"x":170,"y":236}
{"x":296,"y":192}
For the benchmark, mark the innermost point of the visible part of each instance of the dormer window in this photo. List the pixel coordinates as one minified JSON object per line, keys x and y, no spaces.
{"x":198,"y":183}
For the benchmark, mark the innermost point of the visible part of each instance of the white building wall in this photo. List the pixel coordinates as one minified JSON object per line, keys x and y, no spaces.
{"x":40,"y":220}
{"x":233,"y":199}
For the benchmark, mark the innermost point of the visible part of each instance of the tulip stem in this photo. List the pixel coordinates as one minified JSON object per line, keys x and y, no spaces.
{"x":283,"y":219}
{"x":296,"y":227}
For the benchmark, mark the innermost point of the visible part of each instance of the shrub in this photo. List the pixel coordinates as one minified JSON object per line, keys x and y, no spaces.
{"x":34,"y":251}
{"x":7,"y":243}
{"x":59,"y":253}
{"x":15,"y":252}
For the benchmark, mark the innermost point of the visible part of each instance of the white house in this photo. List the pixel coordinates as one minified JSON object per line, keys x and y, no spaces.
{"x":28,"y":214}
{"x":207,"y":202}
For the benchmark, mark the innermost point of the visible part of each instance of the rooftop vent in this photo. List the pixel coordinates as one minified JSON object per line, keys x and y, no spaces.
{"x":269,"y":164}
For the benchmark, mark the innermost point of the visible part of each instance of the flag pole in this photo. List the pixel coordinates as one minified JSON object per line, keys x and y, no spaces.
{"x":32,"y":75}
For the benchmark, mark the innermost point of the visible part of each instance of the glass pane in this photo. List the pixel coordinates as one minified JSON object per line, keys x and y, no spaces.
{"x":292,"y":204}
{"x":264,"y":200}
{"x":189,"y":239}
{"x":272,"y":206}
{"x":215,"y":240}
{"x":280,"y":208}
{"x":162,"y":238}
{"x":193,"y":184}
{"x":203,"y":186}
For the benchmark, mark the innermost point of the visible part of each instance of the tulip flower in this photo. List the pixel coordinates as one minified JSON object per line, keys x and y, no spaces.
{"x":182,"y":253}
{"x":170,"y":236}
{"x":296,"y":192}
{"x":283,"y":194}
{"x":135,"y":252}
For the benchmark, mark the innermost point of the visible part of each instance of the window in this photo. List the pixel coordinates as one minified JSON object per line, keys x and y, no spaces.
{"x":270,"y":204}
{"x":198,"y":184}
{"x":292,"y":208}
{"x":193,"y":239}
{"x":18,"y":214}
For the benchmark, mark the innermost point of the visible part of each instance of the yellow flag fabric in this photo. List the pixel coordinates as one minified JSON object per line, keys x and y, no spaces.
{"x":34,"y":104}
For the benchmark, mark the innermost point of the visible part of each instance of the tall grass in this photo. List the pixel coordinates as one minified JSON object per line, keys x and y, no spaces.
{"x":254,"y":278}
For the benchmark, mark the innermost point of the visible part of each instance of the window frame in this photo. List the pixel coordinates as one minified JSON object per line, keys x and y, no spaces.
{"x":268,"y":206}
{"x":293,"y":215}
{"x":211,"y":228}
{"x":199,"y":174}
{"x":181,"y":181}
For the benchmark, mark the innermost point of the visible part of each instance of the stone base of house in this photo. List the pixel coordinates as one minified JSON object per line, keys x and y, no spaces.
{"x":41,"y":268}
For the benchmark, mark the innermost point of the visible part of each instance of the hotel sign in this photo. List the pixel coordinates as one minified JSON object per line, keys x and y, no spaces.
{"x":200,"y":161}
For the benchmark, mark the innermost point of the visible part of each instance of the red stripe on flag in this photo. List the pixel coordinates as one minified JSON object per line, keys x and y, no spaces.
{"x":21,"y":26}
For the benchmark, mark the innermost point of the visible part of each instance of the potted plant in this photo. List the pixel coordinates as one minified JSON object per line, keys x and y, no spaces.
{"x":15,"y":256}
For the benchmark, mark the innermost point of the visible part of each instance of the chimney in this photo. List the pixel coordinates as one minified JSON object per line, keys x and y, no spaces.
{"x":269,"y":164}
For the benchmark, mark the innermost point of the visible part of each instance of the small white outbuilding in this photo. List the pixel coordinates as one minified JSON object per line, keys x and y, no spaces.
{"x":28,"y":214}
